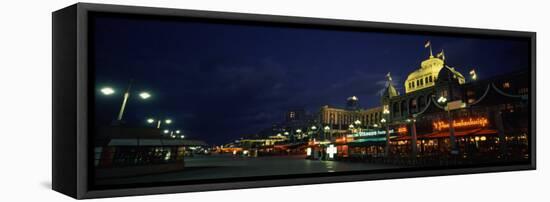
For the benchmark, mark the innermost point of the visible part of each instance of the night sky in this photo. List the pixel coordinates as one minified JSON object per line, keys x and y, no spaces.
{"x":219,"y":82}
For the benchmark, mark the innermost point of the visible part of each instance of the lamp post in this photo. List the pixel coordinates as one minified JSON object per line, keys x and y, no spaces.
{"x":358,"y":124}
{"x":174,"y":133}
{"x":159,"y":121}
{"x":383,"y":121}
{"x":452,"y":137}
{"x":326,"y":130}
{"x":313,"y":130}
{"x":414,"y":148}
{"x":110,"y":91}
{"x":299,"y":133}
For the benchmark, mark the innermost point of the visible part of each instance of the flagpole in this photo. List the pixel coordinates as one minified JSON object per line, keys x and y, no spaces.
{"x":431,"y":53}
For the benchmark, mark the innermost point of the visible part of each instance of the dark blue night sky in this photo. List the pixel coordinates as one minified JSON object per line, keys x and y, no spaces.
{"x":219,"y":82}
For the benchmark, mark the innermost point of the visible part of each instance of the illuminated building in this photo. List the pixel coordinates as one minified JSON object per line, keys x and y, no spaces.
{"x":339,"y":119}
{"x":426,"y":76}
{"x":482,"y":110}
{"x":489,"y":116}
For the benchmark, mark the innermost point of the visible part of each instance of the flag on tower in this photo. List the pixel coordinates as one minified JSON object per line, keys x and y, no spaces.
{"x":441,"y":55}
{"x":427,"y":44}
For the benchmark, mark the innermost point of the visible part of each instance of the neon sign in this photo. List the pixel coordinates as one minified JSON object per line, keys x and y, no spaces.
{"x":370,"y":133}
{"x":462,"y":123}
{"x":402,"y":129}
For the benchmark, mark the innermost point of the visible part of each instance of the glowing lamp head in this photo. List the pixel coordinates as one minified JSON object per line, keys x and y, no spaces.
{"x":107,"y":91}
{"x":382,"y":120}
{"x":144,"y":95}
{"x":327,"y":128}
{"x":166,"y":131}
{"x":178,"y":131}
{"x":150,"y":120}
{"x":313,"y":128}
{"x":168,"y":121}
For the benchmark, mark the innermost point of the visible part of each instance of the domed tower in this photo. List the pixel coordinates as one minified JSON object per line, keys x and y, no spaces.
{"x":425,"y":76}
{"x":428,"y":73}
{"x":352,"y":103}
{"x":388,"y":94}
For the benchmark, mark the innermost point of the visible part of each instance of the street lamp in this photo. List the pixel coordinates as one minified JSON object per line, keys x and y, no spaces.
{"x":452,"y":138}
{"x":358,"y":124}
{"x":109,"y":91}
{"x":144,"y":95}
{"x":299,"y":132}
{"x":326,"y":131}
{"x":313,"y":131}
{"x":159,"y":121}
{"x":383,"y":121}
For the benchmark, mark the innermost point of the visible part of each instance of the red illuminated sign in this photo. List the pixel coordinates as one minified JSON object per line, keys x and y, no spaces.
{"x":462,"y":123}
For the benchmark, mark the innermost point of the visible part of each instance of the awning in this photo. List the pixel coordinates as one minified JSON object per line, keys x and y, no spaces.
{"x":368,"y":141}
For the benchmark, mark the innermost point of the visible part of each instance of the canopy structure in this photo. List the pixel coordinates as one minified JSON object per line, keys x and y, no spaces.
{"x":370,"y":141}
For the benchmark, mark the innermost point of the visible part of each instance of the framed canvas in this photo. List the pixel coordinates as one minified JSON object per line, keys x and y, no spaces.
{"x":155,"y":100}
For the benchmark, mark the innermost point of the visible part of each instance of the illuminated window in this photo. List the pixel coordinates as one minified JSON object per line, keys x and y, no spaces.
{"x":426,"y":80}
{"x":417,"y":82}
{"x":506,"y":85}
{"x":430,"y":78}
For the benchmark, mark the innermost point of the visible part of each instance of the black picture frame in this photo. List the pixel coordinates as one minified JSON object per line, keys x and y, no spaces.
{"x":72,"y":89}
